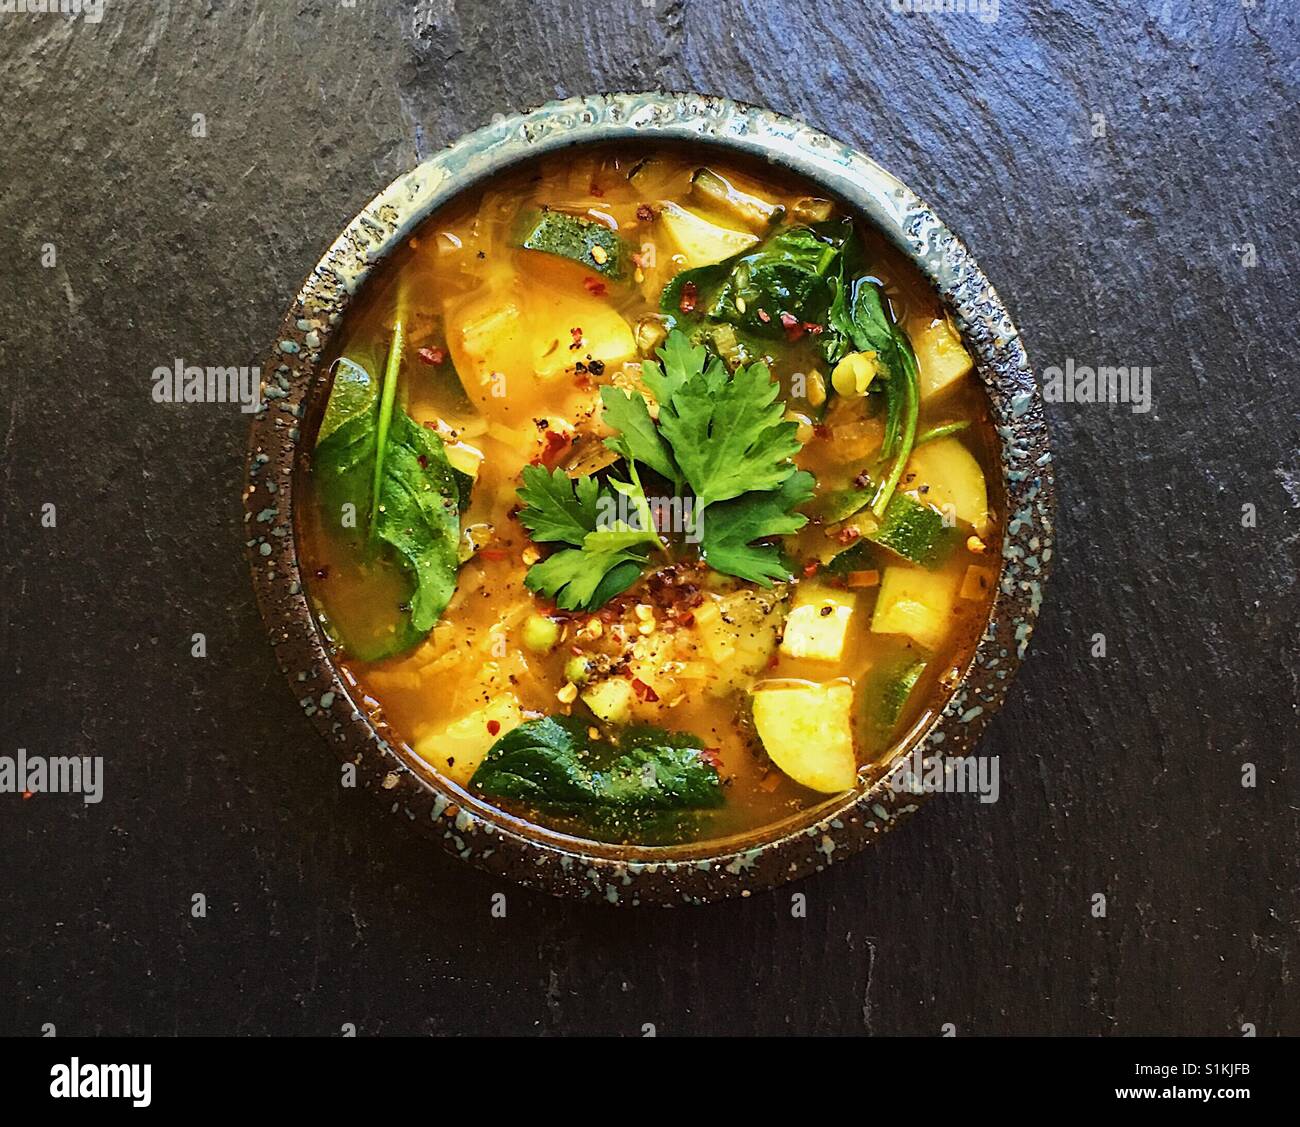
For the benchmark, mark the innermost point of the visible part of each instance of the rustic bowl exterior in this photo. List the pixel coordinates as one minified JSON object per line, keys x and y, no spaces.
{"x":294,"y":377}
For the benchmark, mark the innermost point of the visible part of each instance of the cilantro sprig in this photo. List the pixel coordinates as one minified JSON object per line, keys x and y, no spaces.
{"x":604,"y":556}
{"x":719,"y":435}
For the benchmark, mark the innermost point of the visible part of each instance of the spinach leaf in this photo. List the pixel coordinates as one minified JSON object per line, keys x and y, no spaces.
{"x":787,"y":274}
{"x":387,"y":402}
{"x":553,"y":762}
{"x":405,"y":513}
{"x":860,"y":320}
{"x":419,"y":516}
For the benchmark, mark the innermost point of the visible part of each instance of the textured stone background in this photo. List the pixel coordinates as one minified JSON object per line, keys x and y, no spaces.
{"x":1119,"y":775}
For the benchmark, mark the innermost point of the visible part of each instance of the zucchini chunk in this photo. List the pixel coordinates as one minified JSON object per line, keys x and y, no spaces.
{"x":457,"y":749}
{"x":915,"y":602}
{"x":807,"y":730}
{"x":716,"y":191}
{"x":941,"y":358}
{"x":818,"y":623}
{"x":610,"y":700}
{"x":701,"y":242}
{"x":739,"y":634}
{"x":885,"y":693}
{"x":914,"y":531}
{"x":953,"y":478}
{"x":593,"y":245}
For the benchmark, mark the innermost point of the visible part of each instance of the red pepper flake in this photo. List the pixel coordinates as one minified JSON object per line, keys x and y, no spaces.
{"x":424,"y":462}
{"x":810,"y":569}
{"x":643,"y":691}
{"x":848,"y":535}
{"x":596,"y":190}
{"x":812,"y":328}
{"x":493,"y":727}
{"x":792,"y":325}
{"x":432,"y":355}
{"x":583,"y":382}
{"x":645,"y":213}
{"x":764,"y":316}
{"x":689,"y":296}
{"x":594,"y":286}
{"x":576,"y":334}
{"x":494,"y":553}
{"x":552,"y":444}
{"x":687,"y":620}
{"x":712,"y":756}
{"x":821,"y":430}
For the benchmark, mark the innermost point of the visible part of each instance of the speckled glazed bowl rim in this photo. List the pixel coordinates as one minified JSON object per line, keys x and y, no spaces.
{"x":293,"y":376}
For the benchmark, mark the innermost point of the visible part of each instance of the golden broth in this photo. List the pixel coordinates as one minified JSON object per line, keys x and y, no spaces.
{"x":454,"y":280}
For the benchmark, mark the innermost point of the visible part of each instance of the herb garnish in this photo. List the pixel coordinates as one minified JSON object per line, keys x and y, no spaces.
{"x":600,"y":562}
{"x":720,"y":435}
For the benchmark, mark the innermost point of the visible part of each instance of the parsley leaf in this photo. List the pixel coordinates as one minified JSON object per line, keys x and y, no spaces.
{"x":554,"y":510}
{"x":682,"y":361}
{"x":600,"y":563}
{"x":637,"y":440}
{"x":618,"y":533}
{"x":732,"y":526}
{"x":727,"y":432}
{"x":584,"y":579}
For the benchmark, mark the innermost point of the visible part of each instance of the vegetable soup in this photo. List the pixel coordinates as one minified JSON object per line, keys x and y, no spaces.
{"x":651,"y":501}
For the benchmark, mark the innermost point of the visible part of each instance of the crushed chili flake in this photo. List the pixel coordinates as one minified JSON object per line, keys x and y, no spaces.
{"x":594,"y":286}
{"x":576,"y":334}
{"x":821,"y":430}
{"x":493,"y":727}
{"x":552,"y":443}
{"x":712,"y":756}
{"x":596,"y":190}
{"x":812,"y":328}
{"x":432,"y":355}
{"x":848,"y":535}
{"x":494,"y":553}
{"x":645,"y":213}
{"x":643,"y":691}
{"x":764,"y":316}
{"x":810,"y":569}
{"x":689,"y":296}
{"x":792,"y":325}
{"x":424,"y":462}
{"x":583,"y":382}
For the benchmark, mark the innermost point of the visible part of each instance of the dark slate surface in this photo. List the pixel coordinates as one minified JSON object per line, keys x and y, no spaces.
{"x":1120,"y":775}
